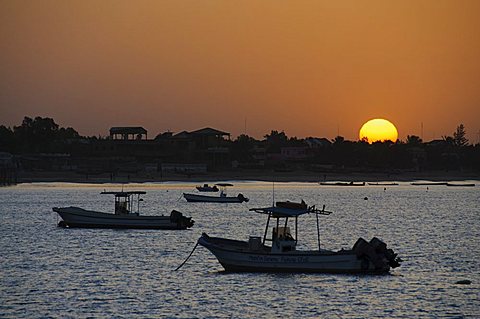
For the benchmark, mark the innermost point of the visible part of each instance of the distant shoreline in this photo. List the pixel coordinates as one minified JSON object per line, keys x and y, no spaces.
{"x":247,"y":175}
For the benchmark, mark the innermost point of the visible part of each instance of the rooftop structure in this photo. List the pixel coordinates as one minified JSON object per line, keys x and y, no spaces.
{"x":128,"y":133}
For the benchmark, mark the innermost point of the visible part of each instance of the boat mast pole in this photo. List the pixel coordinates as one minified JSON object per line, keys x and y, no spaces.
{"x":138,"y":204}
{"x":266,"y":228}
{"x":318,"y":232}
{"x":296,"y":230}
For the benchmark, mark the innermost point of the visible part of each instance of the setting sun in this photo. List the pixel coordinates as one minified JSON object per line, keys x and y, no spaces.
{"x":378,"y":130}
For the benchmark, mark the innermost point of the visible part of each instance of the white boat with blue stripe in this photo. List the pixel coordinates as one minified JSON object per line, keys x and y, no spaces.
{"x":255,"y":255}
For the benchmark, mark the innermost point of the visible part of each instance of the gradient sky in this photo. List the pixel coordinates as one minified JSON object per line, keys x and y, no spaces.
{"x":310,"y":68}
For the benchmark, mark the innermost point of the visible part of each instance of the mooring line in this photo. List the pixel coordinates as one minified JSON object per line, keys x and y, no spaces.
{"x":187,"y":257}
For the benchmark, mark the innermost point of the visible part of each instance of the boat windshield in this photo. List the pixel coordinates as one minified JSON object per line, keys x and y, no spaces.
{"x":125,"y":201}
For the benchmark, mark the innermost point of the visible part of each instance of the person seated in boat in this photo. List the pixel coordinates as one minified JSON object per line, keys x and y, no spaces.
{"x":282,"y":233}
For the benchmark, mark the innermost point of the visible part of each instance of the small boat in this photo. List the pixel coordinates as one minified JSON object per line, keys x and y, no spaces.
{"x":207,"y":188}
{"x":282,"y":255}
{"x":222,"y":198}
{"x":461,"y":184}
{"x":123,"y":217}
{"x":342,"y":183}
{"x":429,"y":183}
{"x":383,"y":184}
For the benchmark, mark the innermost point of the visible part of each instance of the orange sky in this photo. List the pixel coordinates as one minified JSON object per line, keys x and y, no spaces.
{"x":310,"y":68}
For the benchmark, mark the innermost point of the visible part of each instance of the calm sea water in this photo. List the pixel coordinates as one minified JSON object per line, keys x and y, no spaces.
{"x":46,"y":271}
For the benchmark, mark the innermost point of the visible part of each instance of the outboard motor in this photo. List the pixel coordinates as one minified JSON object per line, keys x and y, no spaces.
{"x":389,"y":254}
{"x":177,"y":217}
{"x":376,"y":251}
{"x":242,"y":198}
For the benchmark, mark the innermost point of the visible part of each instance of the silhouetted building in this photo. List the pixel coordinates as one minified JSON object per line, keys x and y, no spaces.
{"x":209,"y":137}
{"x":124,"y":133}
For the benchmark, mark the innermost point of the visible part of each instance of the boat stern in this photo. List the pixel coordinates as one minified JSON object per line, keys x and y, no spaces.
{"x":182,"y":221}
{"x":376,"y":253}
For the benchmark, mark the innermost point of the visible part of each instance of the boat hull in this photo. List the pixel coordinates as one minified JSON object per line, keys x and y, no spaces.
{"x":460,"y":185}
{"x":342,"y":184}
{"x":75,"y":217}
{"x":237,"y":257}
{"x":212,"y":199}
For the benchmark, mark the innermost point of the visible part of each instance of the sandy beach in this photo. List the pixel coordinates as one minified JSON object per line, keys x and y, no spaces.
{"x":246,"y":175}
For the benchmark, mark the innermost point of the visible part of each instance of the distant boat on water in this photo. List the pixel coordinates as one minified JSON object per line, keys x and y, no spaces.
{"x":222,"y":198}
{"x":461,"y":184}
{"x":383,"y":184}
{"x":428,"y":183}
{"x":123,"y":216}
{"x":342,"y":183}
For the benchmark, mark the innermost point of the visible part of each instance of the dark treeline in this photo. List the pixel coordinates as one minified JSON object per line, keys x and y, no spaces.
{"x":39,"y":135}
{"x":277,"y":150}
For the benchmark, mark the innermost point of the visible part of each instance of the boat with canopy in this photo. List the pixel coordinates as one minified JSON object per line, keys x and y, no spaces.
{"x":222,"y":198}
{"x":255,"y":255}
{"x":124,"y":215}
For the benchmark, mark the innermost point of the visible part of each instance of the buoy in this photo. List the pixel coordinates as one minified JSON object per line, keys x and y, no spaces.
{"x":463,"y":282}
{"x":365,"y":198}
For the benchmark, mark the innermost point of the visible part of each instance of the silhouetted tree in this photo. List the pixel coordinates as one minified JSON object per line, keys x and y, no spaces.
{"x":414,"y":140}
{"x":6,"y":139}
{"x":295,"y":142}
{"x":275,"y":140}
{"x":338,"y":140}
{"x":242,"y":146}
{"x":459,"y":138}
{"x":42,"y":135}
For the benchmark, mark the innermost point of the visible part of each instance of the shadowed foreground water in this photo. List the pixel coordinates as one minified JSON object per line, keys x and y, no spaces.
{"x":48,"y":271}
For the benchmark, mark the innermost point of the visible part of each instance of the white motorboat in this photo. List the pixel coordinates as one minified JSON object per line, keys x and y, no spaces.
{"x":222,"y":198}
{"x":282,"y":256}
{"x":123,"y":217}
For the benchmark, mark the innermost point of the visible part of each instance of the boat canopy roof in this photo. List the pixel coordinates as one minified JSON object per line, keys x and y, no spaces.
{"x":124,"y":194}
{"x":224,"y":184}
{"x":283,"y":212}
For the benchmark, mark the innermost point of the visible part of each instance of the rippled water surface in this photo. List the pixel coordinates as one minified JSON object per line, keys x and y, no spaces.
{"x":46,"y":271}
